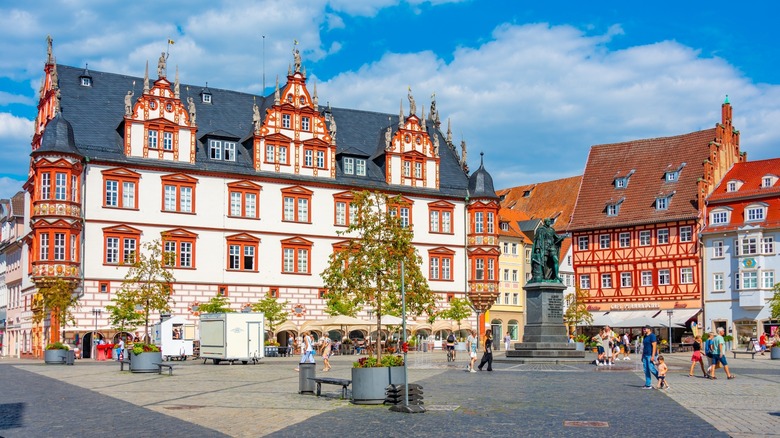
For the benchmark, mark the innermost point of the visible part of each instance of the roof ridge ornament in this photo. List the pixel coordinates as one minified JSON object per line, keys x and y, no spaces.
{"x":49,"y":50}
{"x":146,"y":78}
{"x":412,"y":104}
{"x":277,"y":100}
{"x":401,"y":115}
{"x":176,"y":84}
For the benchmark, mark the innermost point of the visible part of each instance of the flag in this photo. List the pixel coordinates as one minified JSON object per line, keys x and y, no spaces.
{"x":170,"y":41}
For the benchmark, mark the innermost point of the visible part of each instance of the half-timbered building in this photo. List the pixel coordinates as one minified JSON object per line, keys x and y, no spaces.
{"x":635,"y":228}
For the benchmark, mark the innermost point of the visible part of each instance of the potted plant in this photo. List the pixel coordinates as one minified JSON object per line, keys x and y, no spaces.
{"x":774,"y":310}
{"x":728,"y":339}
{"x":580,"y":340}
{"x":56,"y":353}
{"x":371,"y":376}
{"x":147,"y":288}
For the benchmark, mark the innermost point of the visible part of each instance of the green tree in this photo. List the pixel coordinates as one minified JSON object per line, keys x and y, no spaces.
{"x":275,"y":312}
{"x":576,"y":310}
{"x":147,"y":284}
{"x":123,"y":316}
{"x":57,"y":298}
{"x":774,"y":303}
{"x":367,"y":271}
{"x":217,"y":304}
{"x":458,"y":311}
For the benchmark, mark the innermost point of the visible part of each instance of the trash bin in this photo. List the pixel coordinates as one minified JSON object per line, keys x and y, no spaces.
{"x":304,"y":384}
{"x":70,"y":357}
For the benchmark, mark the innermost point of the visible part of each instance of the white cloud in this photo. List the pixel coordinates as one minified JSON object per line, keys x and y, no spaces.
{"x":9,"y":187}
{"x":14,"y":127}
{"x":9,"y":98}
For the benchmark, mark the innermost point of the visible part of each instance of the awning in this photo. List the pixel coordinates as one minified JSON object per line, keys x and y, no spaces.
{"x":680,"y":316}
{"x":615,"y":317}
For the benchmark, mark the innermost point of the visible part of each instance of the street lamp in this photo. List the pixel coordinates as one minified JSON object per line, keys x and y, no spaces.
{"x":97,"y":313}
{"x":670,"y":312}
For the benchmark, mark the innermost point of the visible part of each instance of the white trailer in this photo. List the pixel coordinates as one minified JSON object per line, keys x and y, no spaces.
{"x":231,"y":337}
{"x":174,"y":336}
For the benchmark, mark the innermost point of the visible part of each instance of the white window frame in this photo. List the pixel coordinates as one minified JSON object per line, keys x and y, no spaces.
{"x":686,"y":275}
{"x":768,"y":245}
{"x":584,"y":281}
{"x":717,"y":282}
{"x":625,"y":279}
{"x":645,"y":237}
{"x":755,"y":214}
{"x":646,"y":278}
{"x":664,"y":277}
{"x":349,"y":165}
{"x":662,"y":236}
{"x":606,"y":281}
{"x":767,"y":279}
{"x":686,"y":234}
{"x":720,"y":217}
{"x":582,"y":243}
{"x":662,"y":203}
{"x":625,"y":240}
{"x":749,"y":279}
{"x":717,"y":249}
{"x":604,"y":241}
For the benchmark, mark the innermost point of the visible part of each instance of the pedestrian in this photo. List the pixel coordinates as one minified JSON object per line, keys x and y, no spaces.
{"x":599,"y":339}
{"x":487,"y":356}
{"x":609,"y":345}
{"x":325,"y":351}
{"x":662,"y":369}
{"x":719,"y":355}
{"x":471,"y":346}
{"x":507,"y":341}
{"x":762,"y":342}
{"x":696,"y":357}
{"x":307,"y":349}
{"x":709,"y":350}
{"x":626,"y":346}
{"x":120,"y":354}
{"x":649,"y":353}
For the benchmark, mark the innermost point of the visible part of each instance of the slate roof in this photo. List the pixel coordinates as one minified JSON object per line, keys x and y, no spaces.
{"x":481,"y":183}
{"x":96,"y":115}
{"x":58,"y":137}
{"x":650,"y":159}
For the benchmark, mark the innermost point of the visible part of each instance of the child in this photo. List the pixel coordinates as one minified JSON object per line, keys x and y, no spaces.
{"x":662,"y":368}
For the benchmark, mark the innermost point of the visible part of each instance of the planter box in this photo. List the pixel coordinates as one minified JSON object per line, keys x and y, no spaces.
{"x":579,"y":346}
{"x":55,"y":357}
{"x":369,"y":384}
{"x":775,"y":353}
{"x":145,"y":362}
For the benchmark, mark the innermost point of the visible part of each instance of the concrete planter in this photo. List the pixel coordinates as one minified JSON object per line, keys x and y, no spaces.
{"x":145,"y":362}
{"x":369,"y":384}
{"x":775,"y":353}
{"x":579,"y":346}
{"x":55,"y":357}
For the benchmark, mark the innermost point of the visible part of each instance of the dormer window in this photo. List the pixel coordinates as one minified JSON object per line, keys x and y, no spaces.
{"x":731,"y":186}
{"x":205,"y":98}
{"x":222,"y":150}
{"x":672,"y":176}
{"x":504,"y":226}
{"x":620,"y":183}
{"x":86,"y":81}
{"x":662,"y":203}
{"x":755,"y":212}
{"x":720,"y":217}
{"x":613,"y":208}
{"x":526,"y":194}
{"x":768,"y":181}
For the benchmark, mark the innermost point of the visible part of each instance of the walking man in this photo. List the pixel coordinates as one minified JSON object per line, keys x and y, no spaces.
{"x":719,"y":355}
{"x":649,"y":353}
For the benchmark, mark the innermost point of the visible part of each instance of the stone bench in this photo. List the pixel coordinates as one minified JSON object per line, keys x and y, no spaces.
{"x":160,"y":367}
{"x":750,"y":352}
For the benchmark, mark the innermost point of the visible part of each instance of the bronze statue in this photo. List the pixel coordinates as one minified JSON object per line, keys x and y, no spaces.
{"x":545,"y":254}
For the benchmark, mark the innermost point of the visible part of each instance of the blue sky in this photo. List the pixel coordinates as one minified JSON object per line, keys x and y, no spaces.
{"x":527,"y":83}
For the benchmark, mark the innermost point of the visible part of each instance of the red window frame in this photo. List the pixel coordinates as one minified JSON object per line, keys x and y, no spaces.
{"x":441,"y":207}
{"x":179,"y":236}
{"x":51,"y":230}
{"x":244,"y":188}
{"x":441,"y":254}
{"x":346,"y":198}
{"x":178,"y":180}
{"x":243,"y":240}
{"x":121,"y":176}
{"x":277,"y":145}
{"x":161,"y":129}
{"x":222,"y":290}
{"x":120,"y":232}
{"x":296,"y":193}
{"x":72,"y":194}
{"x":413,"y":159}
{"x":405,"y":203}
{"x":295,"y":244}
{"x":314,"y":149}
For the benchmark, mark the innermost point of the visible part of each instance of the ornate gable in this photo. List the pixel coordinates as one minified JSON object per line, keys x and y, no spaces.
{"x":411,"y":157}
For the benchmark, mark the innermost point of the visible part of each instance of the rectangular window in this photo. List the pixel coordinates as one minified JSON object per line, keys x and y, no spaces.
{"x":243,"y":203}
{"x":664,"y":277}
{"x":625,"y":279}
{"x":60,"y":186}
{"x":434,"y":215}
{"x":296,"y":209}
{"x":286,"y":121}
{"x":491,"y":271}
{"x":717,"y":249}
{"x":767,"y":279}
{"x":44,"y":253}
{"x":230,"y":151}
{"x":766,"y":181}
{"x":46,"y":185}
{"x":59,"y":246}
{"x":152,"y":140}
{"x":736,"y":281}
{"x":645,"y":237}
{"x":755,"y":214}
{"x":606,"y":281}
{"x":112,"y":250}
{"x":74,"y":188}
{"x":506,"y":297}
{"x":582,"y":243}
{"x":129,"y":245}
{"x":686,"y":234}
{"x":305,"y":123}
{"x":349,"y":165}
{"x":612,"y":210}
{"x":478,"y":222}
{"x":303,"y":260}
{"x":720,"y":217}
{"x":185,"y":254}
{"x":128,"y":194}
{"x":514,"y":251}
{"x":295,"y":258}
{"x":407,"y":169}
{"x":434,"y":275}
{"x":320,"y":159}
{"x":584,"y":281}
{"x":241,"y":256}
{"x":215,"y":149}
{"x":418,"y":170}
{"x":515,"y":299}
{"x":168,"y":141}
{"x":604,"y":241}
{"x":749,"y":245}
{"x":360,"y":167}
{"x":686,"y":275}
{"x":446,"y":268}
{"x":491,"y":223}
{"x":282,"y":154}
{"x":768,"y":245}
{"x":647,"y":278}
{"x":270,"y":151}
{"x":662,"y":235}
{"x":179,"y":252}
{"x":717,"y":282}
{"x":662,"y":203}
{"x":480,"y":269}
{"x":112,"y":193}
{"x":625,"y":240}
{"x":749,"y":280}
{"x":515,"y":275}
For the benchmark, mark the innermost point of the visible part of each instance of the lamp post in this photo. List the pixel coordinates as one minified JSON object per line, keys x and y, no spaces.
{"x":97,"y":313}
{"x":670,"y":312}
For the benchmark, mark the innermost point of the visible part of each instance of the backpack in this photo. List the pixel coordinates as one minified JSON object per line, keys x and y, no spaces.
{"x":709,"y":347}
{"x":451,"y":338}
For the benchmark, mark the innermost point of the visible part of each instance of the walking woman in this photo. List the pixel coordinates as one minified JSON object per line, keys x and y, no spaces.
{"x":487,"y":357}
{"x":696,"y":357}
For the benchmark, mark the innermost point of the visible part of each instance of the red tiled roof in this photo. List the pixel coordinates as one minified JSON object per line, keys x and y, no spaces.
{"x":650,"y":159}
{"x":512,"y":217}
{"x":546,"y":199}
{"x":751,"y":173}
{"x":17,"y":204}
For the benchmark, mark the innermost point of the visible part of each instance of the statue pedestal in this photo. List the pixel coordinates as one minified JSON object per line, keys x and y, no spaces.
{"x":544,"y":338}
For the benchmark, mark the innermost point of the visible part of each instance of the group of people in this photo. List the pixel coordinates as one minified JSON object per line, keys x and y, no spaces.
{"x":610,"y":346}
{"x":487,"y":357}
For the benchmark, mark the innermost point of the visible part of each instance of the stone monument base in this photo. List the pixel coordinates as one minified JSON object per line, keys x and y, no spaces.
{"x":544,"y":337}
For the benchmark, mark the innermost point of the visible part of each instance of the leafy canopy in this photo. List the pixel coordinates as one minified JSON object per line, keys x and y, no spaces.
{"x":774,"y":303}
{"x":273,"y":311}
{"x":58,"y":297}
{"x":576,"y":310}
{"x":217,"y":304}
{"x":458,"y":311}
{"x":365,"y":272}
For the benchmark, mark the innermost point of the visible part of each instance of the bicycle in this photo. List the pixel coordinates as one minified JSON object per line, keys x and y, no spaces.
{"x":451,"y":354}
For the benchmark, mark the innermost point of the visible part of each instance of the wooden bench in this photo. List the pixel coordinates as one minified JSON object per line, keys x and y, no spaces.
{"x":160,"y":367}
{"x":344,"y":383}
{"x":750,"y":352}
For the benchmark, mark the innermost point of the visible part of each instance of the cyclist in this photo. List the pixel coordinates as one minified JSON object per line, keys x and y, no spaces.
{"x":451,"y":346}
